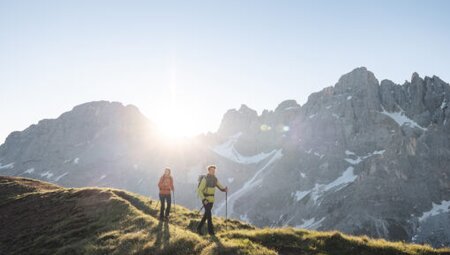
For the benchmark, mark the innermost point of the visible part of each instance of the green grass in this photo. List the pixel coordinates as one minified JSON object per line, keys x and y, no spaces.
{"x":312,"y":242}
{"x":45,"y":219}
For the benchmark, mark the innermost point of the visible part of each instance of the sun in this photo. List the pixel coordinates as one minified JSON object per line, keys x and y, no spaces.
{"x":175,"y":125}
{"x":176,"y":118}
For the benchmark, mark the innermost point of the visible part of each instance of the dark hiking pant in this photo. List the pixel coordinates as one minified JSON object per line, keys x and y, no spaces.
{"x":207,"y":216}
{"x":163,"y":199}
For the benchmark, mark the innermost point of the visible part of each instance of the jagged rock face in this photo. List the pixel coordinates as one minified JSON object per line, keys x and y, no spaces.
{"x":362,"y":157}
{"x":237,"y":120}
{"x":359,"y":157}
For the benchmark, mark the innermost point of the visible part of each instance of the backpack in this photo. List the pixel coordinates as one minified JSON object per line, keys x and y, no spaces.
{"x":210,"y":183}
{"x":200,"y":178}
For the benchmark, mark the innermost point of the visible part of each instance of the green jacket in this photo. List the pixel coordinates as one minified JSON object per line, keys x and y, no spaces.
{"x":207,"y":188}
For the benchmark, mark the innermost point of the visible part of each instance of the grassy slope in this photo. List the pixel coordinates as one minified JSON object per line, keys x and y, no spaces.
{"x":41,"y":218}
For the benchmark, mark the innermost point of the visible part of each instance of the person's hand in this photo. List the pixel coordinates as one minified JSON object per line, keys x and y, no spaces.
{"x":205,"y":201}
{"x":226,"y":189}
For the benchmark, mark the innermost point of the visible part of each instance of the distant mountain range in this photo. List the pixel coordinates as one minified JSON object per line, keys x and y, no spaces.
{"x":362,"y":157}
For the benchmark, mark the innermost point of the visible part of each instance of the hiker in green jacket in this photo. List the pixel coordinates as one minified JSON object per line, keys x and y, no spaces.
{"x":206,"y":190}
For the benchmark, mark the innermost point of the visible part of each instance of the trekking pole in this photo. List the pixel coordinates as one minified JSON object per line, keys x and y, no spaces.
{"x":199,"y":210}
{"x":226,"y":210}
{"x":173,"y":192}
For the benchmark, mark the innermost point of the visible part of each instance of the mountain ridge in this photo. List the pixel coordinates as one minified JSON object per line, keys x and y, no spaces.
{"x":362,"y":157}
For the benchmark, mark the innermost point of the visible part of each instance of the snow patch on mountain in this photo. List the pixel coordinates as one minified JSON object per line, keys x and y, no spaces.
{"x":47,"y":174}
{"x":315,"y":153}
{"x":444,"y":104}
{"x":355,"y":161}
{"x":7,"y":166}
{"x":29,"y":171}
{"x":319,"y":155}
{"x":299,"y":195}
{"x":311,"y":223}
{"x":443,"y":207}
{"x":292,"y":108}
{"x":250,"y":184}
{"x":319,"y":190}
{"x":228,"y":151}
{"x":359,"y":159}
{"x":347,"y":152}
{"x":244,"y":218}
{"x":347,"y":177}
{"x":401,"y":119}
{"x":61,"y":176}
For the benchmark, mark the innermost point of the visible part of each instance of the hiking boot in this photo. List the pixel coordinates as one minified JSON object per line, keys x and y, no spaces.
{"x":199,"y":231}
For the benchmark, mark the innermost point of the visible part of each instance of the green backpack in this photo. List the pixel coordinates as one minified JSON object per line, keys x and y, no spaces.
{"x":200,"y":178}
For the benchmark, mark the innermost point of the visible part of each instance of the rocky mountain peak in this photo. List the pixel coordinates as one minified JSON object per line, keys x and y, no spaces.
{"x":106,"y":110}
{"x":287,"y":105}
{"x":358,"y":90}
{"x":100,"y":122}
{"x":358,"y":79}
{"x":235,"y":120}
{"x":415,"y":77}
{"x":244,"y":109}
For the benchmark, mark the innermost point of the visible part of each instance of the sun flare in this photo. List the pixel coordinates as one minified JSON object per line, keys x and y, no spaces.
{"x":175,"y":125}
{"x":175,"y":119}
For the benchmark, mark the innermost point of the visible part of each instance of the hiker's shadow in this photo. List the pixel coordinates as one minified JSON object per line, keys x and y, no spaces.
{"x":163,"y":234}
{"x":219,"y":244}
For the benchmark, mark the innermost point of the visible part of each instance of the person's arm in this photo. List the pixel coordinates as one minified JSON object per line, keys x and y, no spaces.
{"x":220,"y":186}
{"x":160,"y":182}
{"x":171,"y":184}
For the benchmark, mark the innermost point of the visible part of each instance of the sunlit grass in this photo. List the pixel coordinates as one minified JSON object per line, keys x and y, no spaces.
{"x":111,"y":221}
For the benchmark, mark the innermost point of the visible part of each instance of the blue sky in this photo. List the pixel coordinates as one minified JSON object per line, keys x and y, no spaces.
{"x":185,"y":63}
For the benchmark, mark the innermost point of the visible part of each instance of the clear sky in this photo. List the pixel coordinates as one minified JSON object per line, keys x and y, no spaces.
{"x":185,"y":63}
